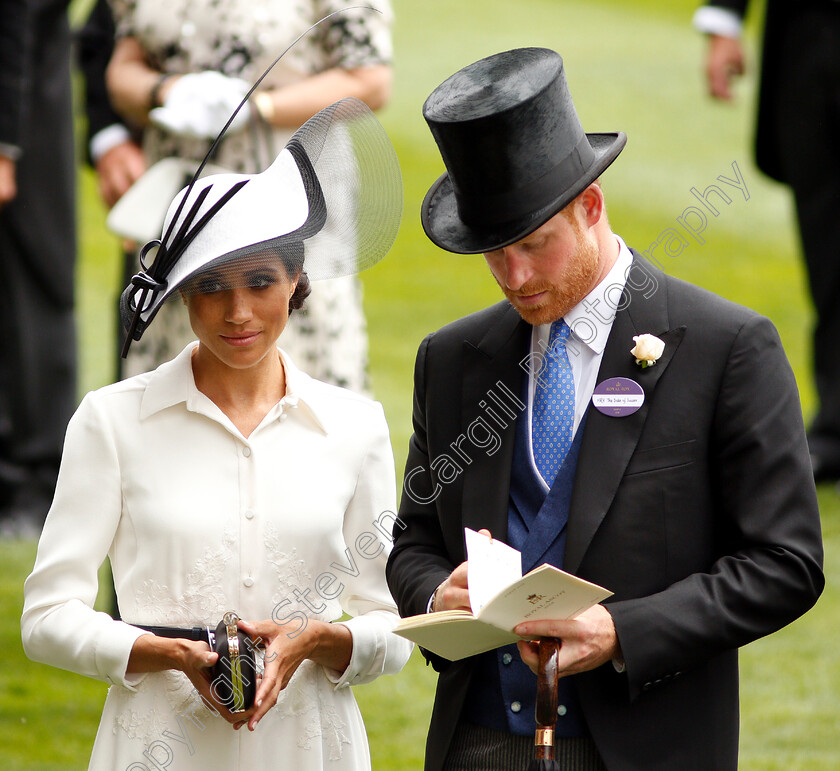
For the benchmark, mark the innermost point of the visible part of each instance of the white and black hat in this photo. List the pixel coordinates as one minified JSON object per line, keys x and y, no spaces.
{"x":332,"y":198}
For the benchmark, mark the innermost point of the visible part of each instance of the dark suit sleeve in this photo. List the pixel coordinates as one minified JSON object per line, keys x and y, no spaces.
{"x":419,"y":561}
{"x":736,"y":6}
{"x":95,"y":44}
{"x":769,"y":568}
{"x":14,"y":45}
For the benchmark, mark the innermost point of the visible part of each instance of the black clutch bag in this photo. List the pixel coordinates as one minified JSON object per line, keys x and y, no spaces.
{"x":235,"y":671}
{"x":234,"y":675}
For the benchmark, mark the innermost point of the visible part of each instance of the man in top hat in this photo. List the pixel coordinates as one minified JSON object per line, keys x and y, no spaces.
{"x":692,"y":499}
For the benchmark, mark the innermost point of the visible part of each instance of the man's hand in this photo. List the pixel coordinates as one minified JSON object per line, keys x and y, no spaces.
{"x":8,"y":185}
{"x":454,"y":593}
{"x":724,"y":59}
{"x":587,"y":641}
{"x":118,"y":169}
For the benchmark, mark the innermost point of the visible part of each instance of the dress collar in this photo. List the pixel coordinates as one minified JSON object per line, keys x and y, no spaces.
{"x":173,"y":382}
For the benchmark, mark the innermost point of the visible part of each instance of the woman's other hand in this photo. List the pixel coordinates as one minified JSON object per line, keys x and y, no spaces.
{"x":327,"y":644}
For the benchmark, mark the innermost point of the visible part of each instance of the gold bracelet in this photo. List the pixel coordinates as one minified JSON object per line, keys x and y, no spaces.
{"x":264,"y":102}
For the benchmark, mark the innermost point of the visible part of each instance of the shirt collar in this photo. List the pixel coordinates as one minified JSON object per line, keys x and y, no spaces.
{"x":173,"y":382}
{"x":591,"y":319}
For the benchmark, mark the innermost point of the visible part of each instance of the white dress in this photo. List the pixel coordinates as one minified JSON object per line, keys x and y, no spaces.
{"x":291,"y":522}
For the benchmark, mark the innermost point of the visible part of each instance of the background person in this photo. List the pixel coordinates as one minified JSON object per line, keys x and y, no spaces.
{"x":112,"y":147}
{"x":195,"y":61}
{"x":203,"y":482}
{"x":697,"y":510}
{"x":37,"y":258}
{"x":795,"y":143}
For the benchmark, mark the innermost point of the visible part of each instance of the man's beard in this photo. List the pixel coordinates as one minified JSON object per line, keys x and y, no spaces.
{"x":578,"y":280}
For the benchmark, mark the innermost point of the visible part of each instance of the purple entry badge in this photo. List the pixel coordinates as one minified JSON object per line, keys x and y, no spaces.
{"x":618,"y":397}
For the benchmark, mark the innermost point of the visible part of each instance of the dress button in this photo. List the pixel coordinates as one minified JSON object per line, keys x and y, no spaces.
{"x":561,"y":710}
{"x":515,"y":706}
{"x":248,"y":581}
{"x":506,"y":658}
{"x":283,"y":416}
{"x":246,"y":451}
{"x":249,"y":514}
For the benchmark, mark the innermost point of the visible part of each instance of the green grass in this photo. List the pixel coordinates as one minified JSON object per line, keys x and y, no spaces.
{"x":633,"y":66}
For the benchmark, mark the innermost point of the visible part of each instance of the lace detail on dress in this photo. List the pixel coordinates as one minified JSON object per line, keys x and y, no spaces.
{"x":292,"y":573}
{"x":202,"y":601}
{"x":144,"y":714}
{"x":137,"y":724}
{"x":331,"y":723}
{"x":304,"y":697}
{"x":309,"y":698}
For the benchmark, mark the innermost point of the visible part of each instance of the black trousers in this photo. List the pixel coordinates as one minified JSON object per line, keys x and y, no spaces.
{"x":808,"y":126}
{"x":37,"y":263}
{"x":476,"y":748}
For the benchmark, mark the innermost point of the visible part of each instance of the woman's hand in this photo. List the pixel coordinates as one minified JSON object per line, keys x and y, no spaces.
{"x":327,"y":644}
{"x":195,"y":659}
{"x":151,"y":653}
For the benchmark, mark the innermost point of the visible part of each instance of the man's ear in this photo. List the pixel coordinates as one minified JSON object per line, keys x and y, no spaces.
{"x":591,"y":202}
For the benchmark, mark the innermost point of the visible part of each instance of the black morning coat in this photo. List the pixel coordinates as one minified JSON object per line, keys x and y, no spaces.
{"x":698,"y":511}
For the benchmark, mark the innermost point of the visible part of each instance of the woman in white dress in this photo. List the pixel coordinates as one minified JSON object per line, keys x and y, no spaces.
{"x":228,"y":480}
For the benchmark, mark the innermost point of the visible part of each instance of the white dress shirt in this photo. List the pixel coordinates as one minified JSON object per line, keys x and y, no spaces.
{"x":197,"y":519}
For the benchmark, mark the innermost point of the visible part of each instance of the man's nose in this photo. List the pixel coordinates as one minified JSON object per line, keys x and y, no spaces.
{"x":517,"y":267}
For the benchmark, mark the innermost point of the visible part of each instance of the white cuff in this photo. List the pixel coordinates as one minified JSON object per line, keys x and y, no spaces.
{"x":376,"y":651}
{"x":112,"y":652}
{"x":12,"y":152}
{"x":717,"y":21}
{"x":107,"y":139}
{"x":431,"y":603}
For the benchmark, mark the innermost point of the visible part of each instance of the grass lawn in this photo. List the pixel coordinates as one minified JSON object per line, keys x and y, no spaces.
{"x":633,"y":66}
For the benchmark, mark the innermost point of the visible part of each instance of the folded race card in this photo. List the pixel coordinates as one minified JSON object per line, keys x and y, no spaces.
{"x":500,"y":598}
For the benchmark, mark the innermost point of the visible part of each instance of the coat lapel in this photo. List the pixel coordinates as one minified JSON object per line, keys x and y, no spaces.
{"x":609,"y":442}
{"x":492,"y":373}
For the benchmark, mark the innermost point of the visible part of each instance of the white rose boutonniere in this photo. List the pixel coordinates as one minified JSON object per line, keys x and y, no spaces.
{"x":647,"y":350}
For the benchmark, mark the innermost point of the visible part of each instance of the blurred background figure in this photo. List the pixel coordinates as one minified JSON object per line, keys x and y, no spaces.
{"x":179,"y":69}
{"x":796,"y":143}
{"x":110,"y":147}
{"x":37,"y":257}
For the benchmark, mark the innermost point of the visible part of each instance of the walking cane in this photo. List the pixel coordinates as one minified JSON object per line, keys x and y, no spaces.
{"x":546,"y":709}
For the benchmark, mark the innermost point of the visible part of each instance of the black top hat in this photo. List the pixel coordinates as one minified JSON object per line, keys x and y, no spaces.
{"x":514,"y":150}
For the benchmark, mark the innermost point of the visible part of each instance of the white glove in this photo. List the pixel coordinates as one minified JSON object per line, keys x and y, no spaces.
{"x":199,"y":104}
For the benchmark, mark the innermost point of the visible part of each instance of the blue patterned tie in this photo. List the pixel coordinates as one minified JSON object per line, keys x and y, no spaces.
{"x":554,"y":405}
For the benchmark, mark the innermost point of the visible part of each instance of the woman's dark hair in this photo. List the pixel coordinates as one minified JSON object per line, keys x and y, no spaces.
{"x":291,"y":255}
{"x":302,"y":291}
